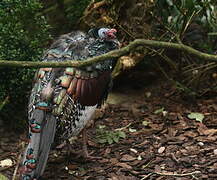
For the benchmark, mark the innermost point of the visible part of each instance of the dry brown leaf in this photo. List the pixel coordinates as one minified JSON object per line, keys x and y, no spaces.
{"x":72,"y":166}
{"x":103,"y":160}
{"x":161,"y":150}
{"x":127,"y":158}
{"x":6,"y":163}
{"x":114,"y":160}
{"x":107,"y":151}
{"x":190,"y":134}
{"x":127,"y":62}
{"x":172,"y":132}
{"x":124,"y":165}
{"x":203,"y":130}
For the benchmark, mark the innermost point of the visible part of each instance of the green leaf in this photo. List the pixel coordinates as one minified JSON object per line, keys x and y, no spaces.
{"x":145,"y":123}
{"x":116,"y":138}
{"x":159,"y":110}
{"x":197,"y":116}
{"x":122,"y":134}
{"x":104,"y":136}
{"x":169,"y":2}
{"x":109,"y":139}
{"x":132,"y":130}
{"x":101,"y":126}
{"x":2,"y":177}
{"x":189,"y":4}
{"x":102,"y":141}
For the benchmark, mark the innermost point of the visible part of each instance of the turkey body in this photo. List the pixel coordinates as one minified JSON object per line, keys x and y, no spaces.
{"x":63,"y":100}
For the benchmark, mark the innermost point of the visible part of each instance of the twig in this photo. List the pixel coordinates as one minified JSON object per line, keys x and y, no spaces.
{"x":123,"y":128}
{"x":175,"y":174}
{"x":189,"y":22}
{"x":18,"y":161}
{"x":147,"y":176}
{"x":168,"y":29}
{"x":199,"y":67}
{"x":5,"y":155}
{"x":113,"y":54}
{"x":93,"y":6}
{"x":174,"y":158}
{"x":126,"y":31}
{"x":6,"y":100}
{"x":16,"y":168}
{"x":5,"y":168}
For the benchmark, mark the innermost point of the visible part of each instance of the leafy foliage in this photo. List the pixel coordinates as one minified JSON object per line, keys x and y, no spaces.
{"x":110,"y":137}
{"x":23,"y":34}
{"x":178,"y":15}
{"x":193,"y":23}
{"x":75,"y":10}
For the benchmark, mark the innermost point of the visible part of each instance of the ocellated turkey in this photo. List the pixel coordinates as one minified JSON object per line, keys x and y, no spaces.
{"x":63,"y":100}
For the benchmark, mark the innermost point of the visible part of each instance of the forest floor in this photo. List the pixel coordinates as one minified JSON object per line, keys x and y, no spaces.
{"x":161,"y":141}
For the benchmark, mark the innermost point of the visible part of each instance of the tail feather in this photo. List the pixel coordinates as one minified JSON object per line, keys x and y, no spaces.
{"x":46,"y":140}
{"x":37,"y":151}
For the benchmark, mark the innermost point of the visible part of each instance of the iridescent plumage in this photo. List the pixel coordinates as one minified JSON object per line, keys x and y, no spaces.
{"x":63,"y":100}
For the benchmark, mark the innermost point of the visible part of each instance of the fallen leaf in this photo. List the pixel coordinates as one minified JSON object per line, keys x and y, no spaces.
{"x":159,"y":110}
{"x":71,"y":172}
{"x":127,"y":158}
{"x":132,"y":130}
{"x":145,"y":123}
{"x":113,"y":160}
{"x":135,"y":111}
{"x":215,"y":151}
{"x":139,"y":158}
{"x":133,"y":150}
{"x":190,"y":134}
{"x":107,"y":151}
{"x":127,"y":62}
{"x":197,"y":116}
{"x":148,"y":94}
{"x":6,"y":163}
{"x":164,"y":113}
{"x":202,"y":144}
{"x":124,"y":165}
{"x":161,"y":150}
{"x":2,"y":177}
{"x":203,"y":130}
{"x":72,"y":166}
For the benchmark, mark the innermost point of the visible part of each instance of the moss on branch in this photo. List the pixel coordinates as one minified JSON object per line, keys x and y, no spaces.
{"x":113,"y":54}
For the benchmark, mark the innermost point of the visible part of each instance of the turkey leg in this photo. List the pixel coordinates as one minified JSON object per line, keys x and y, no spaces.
{"x":84,"y":147}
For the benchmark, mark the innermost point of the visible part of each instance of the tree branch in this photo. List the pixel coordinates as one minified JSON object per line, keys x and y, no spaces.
{"x":113,"y":54}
